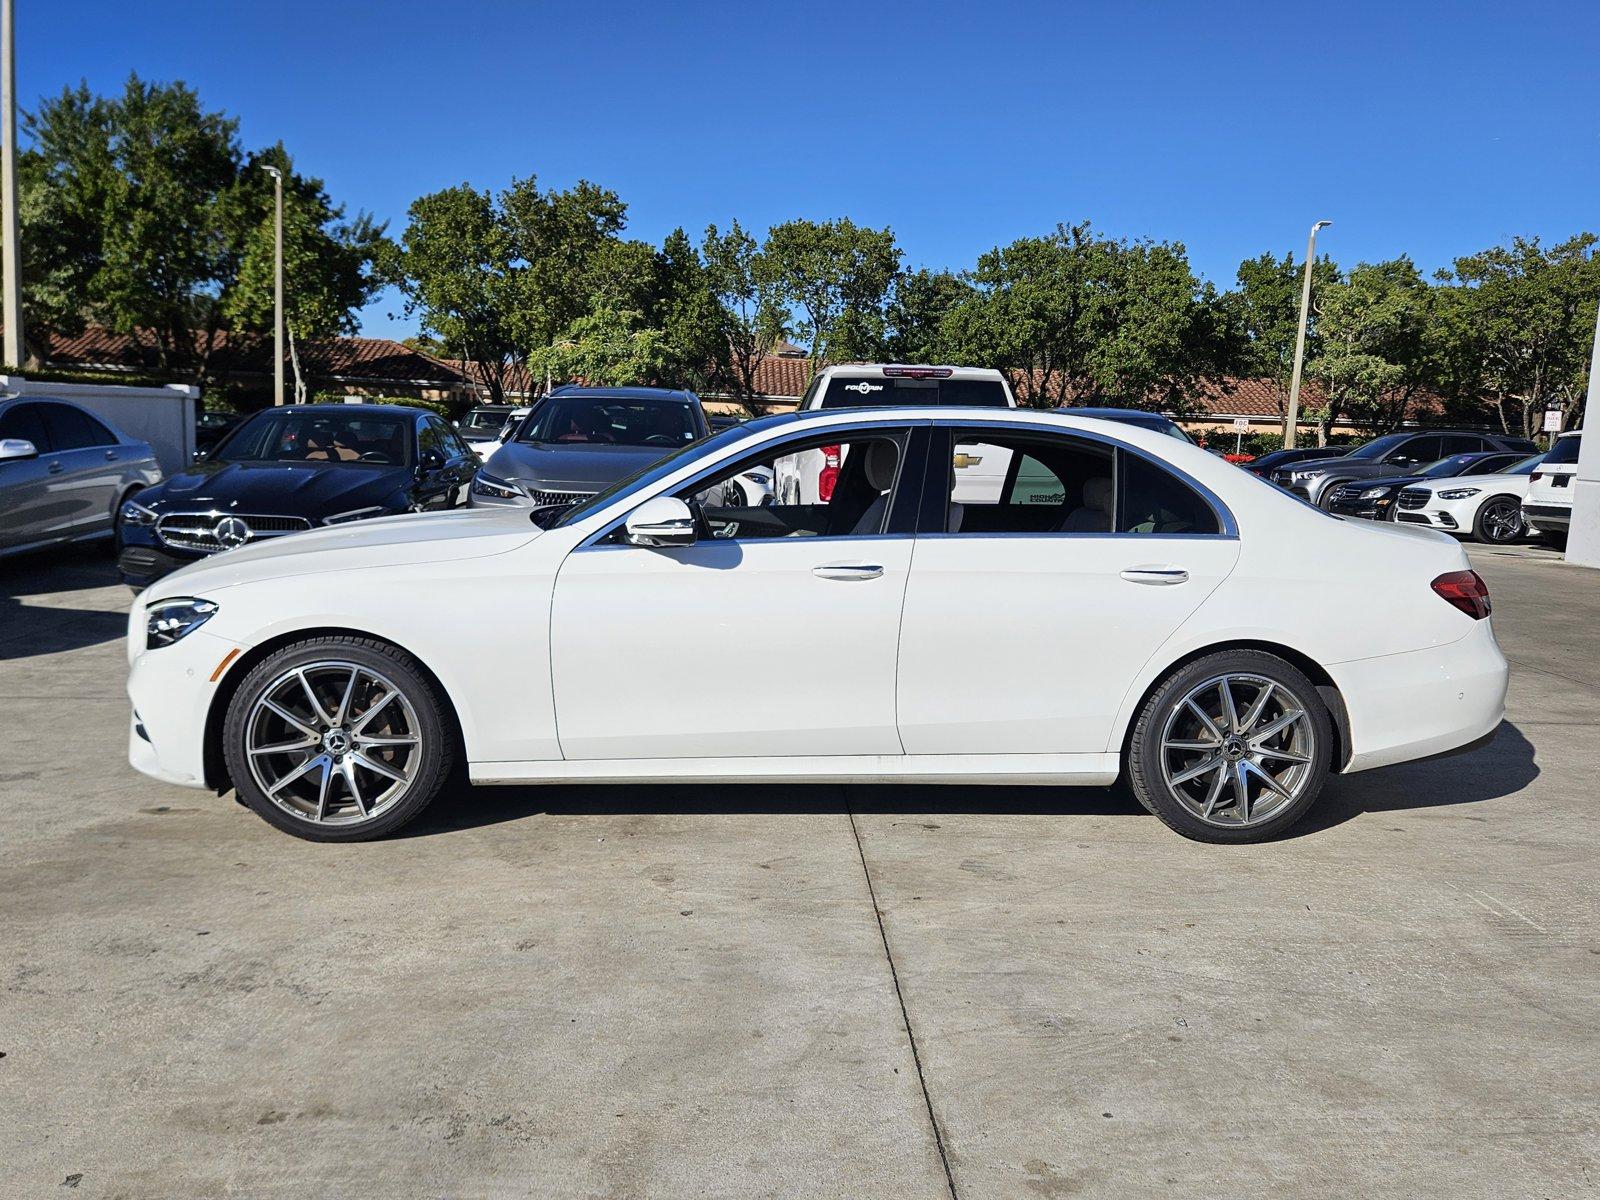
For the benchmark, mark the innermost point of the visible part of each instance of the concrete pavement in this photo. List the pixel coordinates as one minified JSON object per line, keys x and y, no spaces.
{"x":674,"y":991}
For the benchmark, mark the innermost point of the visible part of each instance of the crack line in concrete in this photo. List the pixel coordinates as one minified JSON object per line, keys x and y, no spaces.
{"x":905,"y":1016}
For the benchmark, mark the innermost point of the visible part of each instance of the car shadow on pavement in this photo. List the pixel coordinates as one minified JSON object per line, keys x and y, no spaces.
{"x":29,"y":630}
{"x":1502,"y":768}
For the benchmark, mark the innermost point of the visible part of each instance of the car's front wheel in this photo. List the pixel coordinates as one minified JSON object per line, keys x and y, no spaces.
{"x":338,"y":739}
{"x":1499,"y":521}
{"x":1233,"y":747}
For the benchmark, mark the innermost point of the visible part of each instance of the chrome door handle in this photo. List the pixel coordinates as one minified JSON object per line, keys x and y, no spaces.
{"x":1156,"y":576}
{"x":55,"y":468}
{"x":848,"y":571}
{"x":111,"y":456}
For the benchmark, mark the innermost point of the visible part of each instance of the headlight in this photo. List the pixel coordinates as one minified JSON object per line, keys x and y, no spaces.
{"x":1374,"y":493}
{"x":166,"y":621}
{"x":484,"y":484}
{"x":137,"y":514}
{"x":355,"y":514}
{"x":1459,"y":493}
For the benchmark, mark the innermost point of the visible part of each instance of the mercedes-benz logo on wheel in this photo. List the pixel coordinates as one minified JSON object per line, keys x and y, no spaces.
{"x":231,"y":531}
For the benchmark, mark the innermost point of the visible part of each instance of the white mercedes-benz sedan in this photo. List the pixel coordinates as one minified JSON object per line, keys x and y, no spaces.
{"x":1126,"y":605}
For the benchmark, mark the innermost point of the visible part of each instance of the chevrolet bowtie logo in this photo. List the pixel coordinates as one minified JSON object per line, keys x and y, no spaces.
{"x":967,"y":460}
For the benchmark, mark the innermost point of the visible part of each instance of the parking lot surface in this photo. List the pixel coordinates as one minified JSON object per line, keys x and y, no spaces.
{"x":791,"y":991}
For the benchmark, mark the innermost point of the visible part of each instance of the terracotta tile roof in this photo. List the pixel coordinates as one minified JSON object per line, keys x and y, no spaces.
{"x":517,"y":380}
{"x":783,"y":375}
{"x":343,"y":358}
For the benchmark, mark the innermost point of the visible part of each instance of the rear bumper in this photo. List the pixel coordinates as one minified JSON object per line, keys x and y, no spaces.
{"x":1423,"y":703}
{"x":1545,"y":518}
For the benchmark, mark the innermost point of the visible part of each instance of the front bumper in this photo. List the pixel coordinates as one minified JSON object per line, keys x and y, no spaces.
{"x":1368,"y":510}
{"x":1424,"y":702}
{"x":142,"y":565}
{"x":172,"y":689}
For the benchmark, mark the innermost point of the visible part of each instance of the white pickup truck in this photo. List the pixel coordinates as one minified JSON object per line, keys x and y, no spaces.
{"x":809,"y":477}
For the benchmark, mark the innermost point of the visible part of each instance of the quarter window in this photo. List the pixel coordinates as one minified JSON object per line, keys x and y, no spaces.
{"x":1153,"y":500}
{"x":74,"y":430}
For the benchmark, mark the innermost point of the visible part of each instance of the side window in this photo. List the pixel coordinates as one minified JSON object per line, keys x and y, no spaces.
{"x":73,"y":430}
{"x":1153,"y":500}
{"x":838,"y":488}
{"x":1460,"y":443}
{"x":450,"y":442}
{"x":24,"y":421}
{"x":1416,"y":450}
{"x":1003,"y":482}
{"x":428,"y":438}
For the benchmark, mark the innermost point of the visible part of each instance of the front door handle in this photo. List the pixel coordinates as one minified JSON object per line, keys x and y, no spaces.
{"x":111,"y":456}
{"x":55,"y":468}
{"x":848,"y":571}
{"x":1156,"y":576}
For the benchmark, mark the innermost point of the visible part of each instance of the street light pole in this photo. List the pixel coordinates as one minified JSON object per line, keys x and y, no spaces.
{"x":1291,"y":423}
{"x":277,"y":284}
{"x":10,"y":231}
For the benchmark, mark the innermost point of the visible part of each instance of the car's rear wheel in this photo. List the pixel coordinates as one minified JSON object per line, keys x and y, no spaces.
{"x":338,"y":739}
{"x":1233,"y":747}
{"x":1499,"y":521}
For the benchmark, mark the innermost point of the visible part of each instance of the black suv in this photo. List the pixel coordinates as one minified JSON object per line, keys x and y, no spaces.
{"x":1390,"y":455}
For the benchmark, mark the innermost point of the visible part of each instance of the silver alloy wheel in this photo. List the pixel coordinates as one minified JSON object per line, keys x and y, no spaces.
{"x":1237,"y":750}
{"x":1502,"y":521}
{"x":333,"y":743}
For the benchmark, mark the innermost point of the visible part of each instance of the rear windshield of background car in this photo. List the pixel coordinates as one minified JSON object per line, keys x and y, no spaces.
{"x":867,"y":391}
{"x":1566,"y":451}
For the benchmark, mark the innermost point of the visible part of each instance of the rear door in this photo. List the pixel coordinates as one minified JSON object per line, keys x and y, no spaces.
{"x":91,"y":472}
{"x":1026,"y":618}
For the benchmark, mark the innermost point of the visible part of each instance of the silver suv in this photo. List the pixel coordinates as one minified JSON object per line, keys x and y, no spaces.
{"x":64,"y":473}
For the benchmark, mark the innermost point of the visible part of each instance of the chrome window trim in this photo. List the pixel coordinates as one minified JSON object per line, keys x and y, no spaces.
{"x":1225,"y":522}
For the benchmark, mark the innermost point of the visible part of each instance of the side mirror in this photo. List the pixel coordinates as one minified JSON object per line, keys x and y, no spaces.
{"x":430,"y":460}
{"x":664,"y":521}
{"x":17,"y":448}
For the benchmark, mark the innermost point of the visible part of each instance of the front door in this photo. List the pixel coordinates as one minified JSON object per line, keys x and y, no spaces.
{"x":774,"y":634}
{"x":1027,"y":618}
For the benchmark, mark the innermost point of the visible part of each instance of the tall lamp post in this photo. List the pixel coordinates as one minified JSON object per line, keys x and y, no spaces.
{"x":1292,"y":421}
{"x":277,"y":284}
{"x":10,"y":235}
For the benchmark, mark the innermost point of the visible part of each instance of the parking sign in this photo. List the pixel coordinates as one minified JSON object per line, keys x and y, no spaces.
{"x":1552,"y":420}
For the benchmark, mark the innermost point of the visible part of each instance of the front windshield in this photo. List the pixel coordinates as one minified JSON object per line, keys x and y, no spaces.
{"x":610,"y":421}
{"x":1525,"y":467}
{"x":1378,"y":447}
{"x":320,"y":436}
{"x":648,"y":474}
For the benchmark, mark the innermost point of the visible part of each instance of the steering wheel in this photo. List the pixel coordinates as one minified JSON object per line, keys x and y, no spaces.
{"x":660,"y":439}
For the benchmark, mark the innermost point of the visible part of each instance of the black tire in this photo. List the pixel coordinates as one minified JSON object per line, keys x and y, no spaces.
{"x":1495,"y":533}
{"x":435,"y":730}
{"x":1144,"y":769}
{"x":1325,"y":501}
{"x":116,"y":520}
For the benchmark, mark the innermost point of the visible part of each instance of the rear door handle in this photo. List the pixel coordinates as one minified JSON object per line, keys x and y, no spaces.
{"x":111,"y":456}
{"x":848,"y":571}
{"x":1156,"y":576}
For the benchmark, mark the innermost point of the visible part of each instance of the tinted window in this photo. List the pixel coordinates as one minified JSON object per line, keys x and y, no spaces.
{"x":73,"y":430}
{"x":870,"y":391}
{"x":319,"y":436}
{"x":1153,"y":500}
{"x":454,"y":447}
{"x":1460,"y":443}
{"x":1379,"y":447}
{"x":1416,"y":450}
{"x":23,"y":421}
{"x":1565,"y":451}
{"x":610,"y":421}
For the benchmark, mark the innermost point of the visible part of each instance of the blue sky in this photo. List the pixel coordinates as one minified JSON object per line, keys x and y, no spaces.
{"x":1428,"y":129}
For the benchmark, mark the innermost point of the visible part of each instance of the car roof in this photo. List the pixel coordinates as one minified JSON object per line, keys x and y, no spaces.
{"x":625,"y":393}
{"x":1133,"y":416}
{"x":397,"y":410}
{"x":955,"y":372}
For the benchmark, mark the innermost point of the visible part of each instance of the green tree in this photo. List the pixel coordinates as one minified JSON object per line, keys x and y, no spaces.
{"x":919,"y":306}
{"x":685,"y":308}
{"x":456,"y":267}
{"x":837,"y":274}
{"x":609,"y":346}
{"x":1263,"y":315}
{"x":1075,"y":318}
{"x":752,"y":312}
{"x":1519,"y":324}
{"x":1375,"y":355}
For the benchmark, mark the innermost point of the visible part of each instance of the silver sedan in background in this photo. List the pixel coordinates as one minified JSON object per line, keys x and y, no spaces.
{"x":64,"y":473}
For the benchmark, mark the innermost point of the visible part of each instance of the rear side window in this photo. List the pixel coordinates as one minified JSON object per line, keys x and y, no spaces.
{"x":73,"y":430}
{"x":870,"y":391}
{"x":1153,"y":500}
{"x":23,"y":421}
{"x":1566,"y":451}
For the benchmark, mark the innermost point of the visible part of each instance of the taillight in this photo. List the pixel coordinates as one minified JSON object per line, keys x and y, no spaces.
{"x":1466,"y":590}
{"x":917,"y":372}
{"x":829,"y":477}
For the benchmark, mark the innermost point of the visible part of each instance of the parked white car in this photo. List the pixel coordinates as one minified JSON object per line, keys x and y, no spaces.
{"x":1487,"y":508}
{"x":483,"y":447}
{"x":1547,"y":507}
{"x":809,"y":478}
{"x":1153,"y":612}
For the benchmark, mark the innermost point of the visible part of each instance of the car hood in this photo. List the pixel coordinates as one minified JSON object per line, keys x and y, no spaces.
{"x":311,"y":490}
{"x":1350,"y":468}
{"x":1394,"y":481}
{"x":410,"y":538}
{"x":1505,"y":483}
{"x":580,"y":467}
